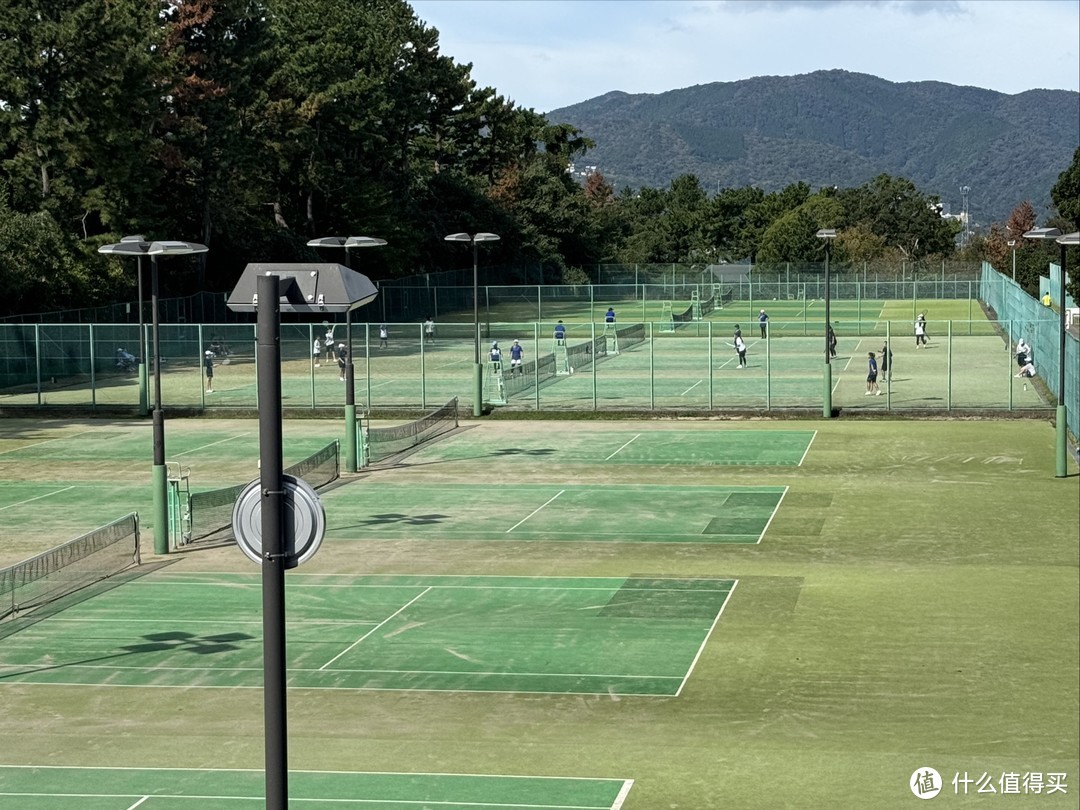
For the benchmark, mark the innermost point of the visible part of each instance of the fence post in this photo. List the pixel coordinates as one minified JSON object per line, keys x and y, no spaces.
{"x":948,"y":400}
{"x":652,"y":361}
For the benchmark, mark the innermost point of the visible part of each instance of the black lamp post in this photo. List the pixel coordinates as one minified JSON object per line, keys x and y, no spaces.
{"x":351,"y":464}
{"x":827,"y":234}
{"x":159,"y":478}
{"x":1062,"y":413}
{"x":478,"y":370}
{"x":269,"y":290}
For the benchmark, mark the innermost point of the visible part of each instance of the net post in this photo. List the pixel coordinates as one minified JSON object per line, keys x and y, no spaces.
{"x":365,"y":447}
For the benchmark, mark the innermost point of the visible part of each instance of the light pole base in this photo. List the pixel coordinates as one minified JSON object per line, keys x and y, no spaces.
{"x":144,"y":398}
{"x":478,"y":390}
{"x":350,"y":438}
{"x":1062,"y":466}
{"x":160,"y":481}
{"x":826,"y":394}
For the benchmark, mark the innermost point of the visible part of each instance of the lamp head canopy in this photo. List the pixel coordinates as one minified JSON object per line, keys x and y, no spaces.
{"x":305,"y":287}
{"x":130,"y":247}
{"x":464,"y":237}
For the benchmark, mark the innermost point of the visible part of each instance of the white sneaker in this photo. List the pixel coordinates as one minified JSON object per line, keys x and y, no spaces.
{"x":879,"y":393}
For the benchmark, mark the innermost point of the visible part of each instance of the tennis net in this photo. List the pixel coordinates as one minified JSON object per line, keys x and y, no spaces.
{"x":209,"y":513}
{"x":580,"y":355}
{"x":68,"y":568}
{"x":383,"y":443}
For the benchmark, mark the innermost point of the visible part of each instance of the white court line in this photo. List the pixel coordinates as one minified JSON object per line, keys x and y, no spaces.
{"x":195,"y":450}
{"x":774,"y":511}
{"x":705,"y":640}
{"x":621,"y":798}
{"x":46,"y":441}
{"x":140,"y":801}
{"x":376,"y":627}
{"x":638,"y":434}
{"x":847,"y":365}
{"x":541,"y":506}
{"x":37,"y":498}
{"x":684,"y":393}
{"x":807,"y":450}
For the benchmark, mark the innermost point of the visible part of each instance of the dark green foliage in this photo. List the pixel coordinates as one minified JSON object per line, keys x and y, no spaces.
{"x":253,"y":126}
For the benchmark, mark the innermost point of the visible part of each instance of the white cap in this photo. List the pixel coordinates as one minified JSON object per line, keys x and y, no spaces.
{"x":341,"y":345}
{"x":208,"y":353}
{"x":515,"y":340}
{"x":494,"y":343}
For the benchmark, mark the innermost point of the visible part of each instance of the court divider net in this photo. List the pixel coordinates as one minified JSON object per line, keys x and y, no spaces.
{"x":70,"y":567}
{"x":544,"y":369}
{"x":210,"y":513}
{"x":383,"y":443}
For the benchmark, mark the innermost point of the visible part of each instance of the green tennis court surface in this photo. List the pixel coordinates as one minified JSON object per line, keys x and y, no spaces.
{"x":658,"y":448}
{"x":621,"y":636}
{"x":63,"y":788}
{"x":577,"y":512}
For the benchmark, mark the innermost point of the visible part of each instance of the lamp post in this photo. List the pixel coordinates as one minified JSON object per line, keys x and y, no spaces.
{"x":269,"y":290}
{"x":349,"y":242}
{"x":827,"y":234}
{"x":1061,"y":415}
{"x":478,"y":370}
{"x":159,"y":480}
{"x":1012,"y":244}
{"x":141,"y":359}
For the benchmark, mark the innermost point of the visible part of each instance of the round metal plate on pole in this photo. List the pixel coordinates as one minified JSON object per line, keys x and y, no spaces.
{"x":303,"y":526}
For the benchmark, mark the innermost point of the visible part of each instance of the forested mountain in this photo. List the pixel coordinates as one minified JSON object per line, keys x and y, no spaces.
{"x":835,"y":128}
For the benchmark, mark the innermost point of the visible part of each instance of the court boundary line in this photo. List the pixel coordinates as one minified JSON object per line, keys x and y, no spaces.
{"x":617,"y":803}
{"x":708,"y":635}
{"x":775,"y":510}
{"x":534,"y":511}
{"x":36,"y":498}
{"x":376,"y":627}
{"x":635,"y":436}
{"x":806,"y":452}
{"x":212,"y":444}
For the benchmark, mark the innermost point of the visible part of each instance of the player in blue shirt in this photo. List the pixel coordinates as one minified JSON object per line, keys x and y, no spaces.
{"x":516,"y":356}
{"x":560,"y":333}
{"x":871,"y":377}
{"x":610,"y":316}
{"x":762,"y":320}
{"x":496,"y":353}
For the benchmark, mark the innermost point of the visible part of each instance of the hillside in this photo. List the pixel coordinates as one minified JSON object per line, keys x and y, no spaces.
{"x":838,"y":128}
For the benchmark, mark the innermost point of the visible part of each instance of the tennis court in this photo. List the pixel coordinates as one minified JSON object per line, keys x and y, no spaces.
{"x":646,"y":363}
{"x":630,"y":636}
{"x":186,"y":788}
{"x":607,"y":614}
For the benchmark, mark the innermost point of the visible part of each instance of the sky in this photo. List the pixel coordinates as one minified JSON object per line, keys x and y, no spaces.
{"x":548,"y":54}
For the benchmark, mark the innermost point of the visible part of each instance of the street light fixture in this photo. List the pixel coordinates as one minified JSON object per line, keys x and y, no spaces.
{"x":269,"y":290}
{"x":349,"y":242}
{"x":478,"y":370}
{"x":1062,"y":460}
{"x":159,"y":479}
{"x":1012,"y":244}
{"x":828,"y":235}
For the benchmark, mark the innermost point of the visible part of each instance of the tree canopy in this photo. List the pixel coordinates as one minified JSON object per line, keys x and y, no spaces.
{"x":253,"y":126}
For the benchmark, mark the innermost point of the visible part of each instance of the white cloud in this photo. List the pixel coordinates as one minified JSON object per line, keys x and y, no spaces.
{"x":547,"y":54}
